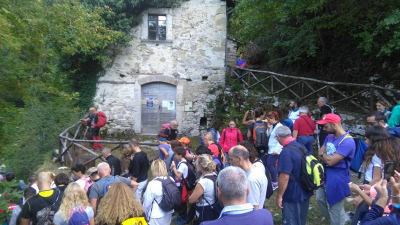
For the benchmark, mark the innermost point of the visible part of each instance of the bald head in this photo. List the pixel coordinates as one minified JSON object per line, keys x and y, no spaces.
{"x":103,"y":169}
{"x":240,"y":156}
{"x":174,"y":124}
{"x":240,"y":152}
{"x":44,"y":180}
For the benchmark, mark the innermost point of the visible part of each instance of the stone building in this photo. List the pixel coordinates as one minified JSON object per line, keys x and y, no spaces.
{"x":172,"y":68}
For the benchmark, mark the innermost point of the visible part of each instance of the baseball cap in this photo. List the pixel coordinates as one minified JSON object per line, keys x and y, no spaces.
{"x":329,"y":118}
{"x":184,"y":140}
{"x":91,"y":171}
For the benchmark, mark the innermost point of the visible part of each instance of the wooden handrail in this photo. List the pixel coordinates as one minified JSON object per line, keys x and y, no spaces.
{"x":69,"y":137}
{"x":105,"y":141}
{"x":318,"y":81}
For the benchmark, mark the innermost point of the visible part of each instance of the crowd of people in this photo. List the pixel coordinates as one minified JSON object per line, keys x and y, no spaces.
{"x":231,"y":175}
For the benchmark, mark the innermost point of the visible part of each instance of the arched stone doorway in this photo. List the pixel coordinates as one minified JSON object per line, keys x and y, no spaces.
{"x":158,"y":103}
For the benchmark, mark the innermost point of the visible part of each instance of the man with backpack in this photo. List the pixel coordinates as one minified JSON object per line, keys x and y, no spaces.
{"x":40,"y":209}
{"x":258,"y":183}
{"x":94,"y":121}
{"x":169,"y":130}
{"x":292,"y":198}
{"x":185,"y":179}
{"x":259,"y":134}
{"x":336,"y":153}
{"x":100,"y":188}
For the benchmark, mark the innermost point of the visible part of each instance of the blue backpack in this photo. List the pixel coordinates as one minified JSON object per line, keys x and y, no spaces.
{"x":361,"y":148}
{"x":79,"y":217}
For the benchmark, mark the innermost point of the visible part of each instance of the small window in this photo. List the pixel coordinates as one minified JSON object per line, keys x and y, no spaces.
{"x":157,"y":27}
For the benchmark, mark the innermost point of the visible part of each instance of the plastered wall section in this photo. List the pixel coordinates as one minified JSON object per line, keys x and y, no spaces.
{"x":192,"y":58}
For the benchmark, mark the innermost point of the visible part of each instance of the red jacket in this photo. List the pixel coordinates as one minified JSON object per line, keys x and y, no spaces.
{"x":230,"y":137}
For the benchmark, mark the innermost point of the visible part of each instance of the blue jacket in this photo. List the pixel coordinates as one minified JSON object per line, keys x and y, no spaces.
{"x":374,"y":217}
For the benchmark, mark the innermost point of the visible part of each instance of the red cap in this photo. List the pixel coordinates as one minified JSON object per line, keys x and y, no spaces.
{"x":329,"y":118}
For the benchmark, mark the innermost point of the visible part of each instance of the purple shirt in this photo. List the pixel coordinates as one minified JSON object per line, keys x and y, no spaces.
{"x":337,"y":176}
{"x":343,"y":145}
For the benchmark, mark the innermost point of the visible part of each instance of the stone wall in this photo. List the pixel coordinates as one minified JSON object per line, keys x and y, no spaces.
{"x":192,"y":58}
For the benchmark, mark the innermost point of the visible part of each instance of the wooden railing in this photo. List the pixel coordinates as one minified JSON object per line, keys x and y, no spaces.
{"x":360,"y":95}
{"x":75,"y":148}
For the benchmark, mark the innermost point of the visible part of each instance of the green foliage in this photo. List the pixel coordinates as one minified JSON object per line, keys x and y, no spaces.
{"x":233,"y":101}
{"x":321,"y":36}
{"x":8,"y":195}
{"x":51,"y":54}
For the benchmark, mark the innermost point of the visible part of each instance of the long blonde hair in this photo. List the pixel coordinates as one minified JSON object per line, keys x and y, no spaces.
{"x":118,"y":205}
{"x":74,"y":197}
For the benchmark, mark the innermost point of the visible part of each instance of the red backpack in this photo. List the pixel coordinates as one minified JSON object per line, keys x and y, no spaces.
{"x":101,"y":119}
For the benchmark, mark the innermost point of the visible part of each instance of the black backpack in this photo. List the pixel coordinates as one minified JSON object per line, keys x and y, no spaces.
{"x":171,"y":196}
{"x":260,"y":135}
{"x":216,"y":207}
{"x":191,"y":177}
{"x":270,"y":190}
{"x":45,"y":216}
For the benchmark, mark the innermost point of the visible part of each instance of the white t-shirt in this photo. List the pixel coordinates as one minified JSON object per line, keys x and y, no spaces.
{"x":273,"y":144}
{"x":259,"y":165}
{"x":369,"y":172}
{"x":182,"y":168}
{"x":60,"y":220}
{"x":209,"y":192}
{"x":258,"y":184}
{"x":152,"y":195}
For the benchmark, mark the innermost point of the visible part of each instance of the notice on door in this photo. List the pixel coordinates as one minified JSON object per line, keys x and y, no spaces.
{"x":170,"y":105}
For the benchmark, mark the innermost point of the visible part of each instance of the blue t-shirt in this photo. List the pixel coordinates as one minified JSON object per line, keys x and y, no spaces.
{"x":343,"y":145}
{"x":290,"y":163}
{"x":100,"y":188}
{"x":166,"y":147}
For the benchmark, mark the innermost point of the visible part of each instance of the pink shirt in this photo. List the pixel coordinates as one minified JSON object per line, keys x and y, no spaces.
{"x":230,"y":137}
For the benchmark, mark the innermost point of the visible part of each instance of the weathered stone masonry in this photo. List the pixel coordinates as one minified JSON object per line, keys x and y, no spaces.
{"x":192,"y":58}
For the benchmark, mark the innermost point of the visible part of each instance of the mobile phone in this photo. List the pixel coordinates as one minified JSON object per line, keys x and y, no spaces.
{"x":389,"y":168}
